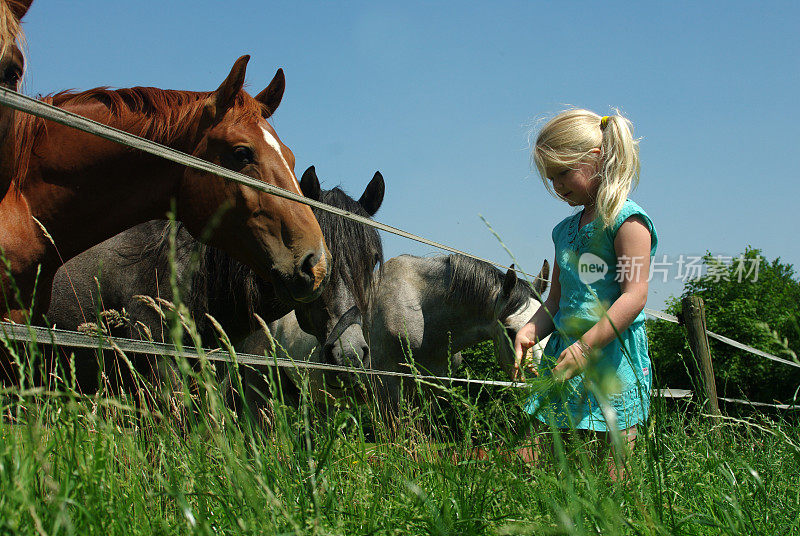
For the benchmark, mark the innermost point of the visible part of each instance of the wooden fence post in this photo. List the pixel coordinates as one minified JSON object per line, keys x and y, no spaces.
{"x":694,"y":318}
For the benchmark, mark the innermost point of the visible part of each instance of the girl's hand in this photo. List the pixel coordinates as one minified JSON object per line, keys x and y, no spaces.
{"x":572,"y":361}
{"x":526,"y":338}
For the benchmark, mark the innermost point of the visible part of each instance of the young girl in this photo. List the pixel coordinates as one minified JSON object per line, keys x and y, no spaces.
{"x":598,"y":346}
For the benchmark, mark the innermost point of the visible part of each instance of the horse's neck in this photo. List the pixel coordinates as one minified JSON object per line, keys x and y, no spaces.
{"x":78,"y":181}
{"x":465,"y":323}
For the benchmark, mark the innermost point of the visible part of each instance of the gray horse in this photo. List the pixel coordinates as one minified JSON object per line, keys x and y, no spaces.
{"x":425,"y":310}
{"x":137,"y":262}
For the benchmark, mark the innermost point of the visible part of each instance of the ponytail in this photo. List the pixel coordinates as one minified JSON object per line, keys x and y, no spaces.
{"x":619,"y":167}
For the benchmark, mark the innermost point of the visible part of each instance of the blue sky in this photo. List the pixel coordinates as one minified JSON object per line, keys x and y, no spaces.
{"x":440,"y":97}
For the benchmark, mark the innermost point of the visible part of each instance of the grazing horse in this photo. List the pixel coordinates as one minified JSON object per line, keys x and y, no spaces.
{"x":12,"y":64}
{"x":137,"y":262}
{"x":425,"y":311}
{"x":72,"y":190}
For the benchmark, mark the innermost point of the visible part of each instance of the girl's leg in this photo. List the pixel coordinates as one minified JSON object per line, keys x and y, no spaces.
{"x":538,"y":447}
{"x":616,"y":461}
{"x":530,"y":449}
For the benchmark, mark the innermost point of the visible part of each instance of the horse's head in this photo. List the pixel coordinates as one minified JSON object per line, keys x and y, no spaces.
{"x":516,"y":304}
{"x":335,"y":318}
{"x":12,"y":62}
{"x":280,"y":239}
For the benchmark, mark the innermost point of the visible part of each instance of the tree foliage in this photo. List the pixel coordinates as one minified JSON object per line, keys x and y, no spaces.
{"x":760,"y":310}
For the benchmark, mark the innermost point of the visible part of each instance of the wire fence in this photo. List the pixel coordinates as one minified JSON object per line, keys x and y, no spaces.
{"x":73,"y":339}
{"x":11,"y":332}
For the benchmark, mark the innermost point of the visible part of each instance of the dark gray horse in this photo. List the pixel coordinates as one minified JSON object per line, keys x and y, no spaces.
{"x":137,"y":262}
{"x":424,"y":312}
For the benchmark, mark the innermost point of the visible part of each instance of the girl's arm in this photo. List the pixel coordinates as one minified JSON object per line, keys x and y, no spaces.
{"x":540,"y":325}
{"x":632,"y":245}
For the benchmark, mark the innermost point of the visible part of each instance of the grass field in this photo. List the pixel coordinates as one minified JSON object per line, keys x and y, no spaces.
{"x":103,"y":465}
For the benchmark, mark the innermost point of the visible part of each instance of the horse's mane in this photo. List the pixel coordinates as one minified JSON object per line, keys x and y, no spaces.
{"x":162,"y":115}
{"x":11,"y":33}
{"x":349,"y":242}
{"x":477,"y":282}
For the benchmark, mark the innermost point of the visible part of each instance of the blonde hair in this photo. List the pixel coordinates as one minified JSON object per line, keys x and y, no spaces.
{"x":573,"y":137}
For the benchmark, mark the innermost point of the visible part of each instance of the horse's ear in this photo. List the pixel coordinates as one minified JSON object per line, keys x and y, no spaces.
{"x":509,"y":282}
{"x":372,"y":198}
{"x":19,"y":7}
{"x":540,"y":283}
{"x":272,"y":94}
{"x":309,"y":184}
{"x":225,"y":95}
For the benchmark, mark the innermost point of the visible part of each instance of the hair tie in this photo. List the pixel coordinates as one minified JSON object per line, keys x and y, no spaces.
{"x":603,"y":122}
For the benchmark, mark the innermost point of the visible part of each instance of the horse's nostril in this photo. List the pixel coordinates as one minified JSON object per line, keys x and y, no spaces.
{"x":346,"y":355}
{"x":309,"y":262}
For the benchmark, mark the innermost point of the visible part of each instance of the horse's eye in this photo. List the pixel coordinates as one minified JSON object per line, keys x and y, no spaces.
{"x":11,"y":76}
{"x":243,"y":155}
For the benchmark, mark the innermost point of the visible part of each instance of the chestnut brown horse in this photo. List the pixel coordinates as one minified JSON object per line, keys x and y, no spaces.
{"x":11,"y":66}
{"x":72,"y":190}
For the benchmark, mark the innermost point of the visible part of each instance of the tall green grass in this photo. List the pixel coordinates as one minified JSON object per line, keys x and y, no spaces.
{"x":123,"y":464}
{"x":134,"y":458}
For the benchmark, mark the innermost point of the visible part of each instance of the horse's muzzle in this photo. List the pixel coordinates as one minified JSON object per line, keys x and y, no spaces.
{"x":308,"y":280}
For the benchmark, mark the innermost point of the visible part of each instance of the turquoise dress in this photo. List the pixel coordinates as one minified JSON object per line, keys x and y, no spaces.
{"x":621,"y":375}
